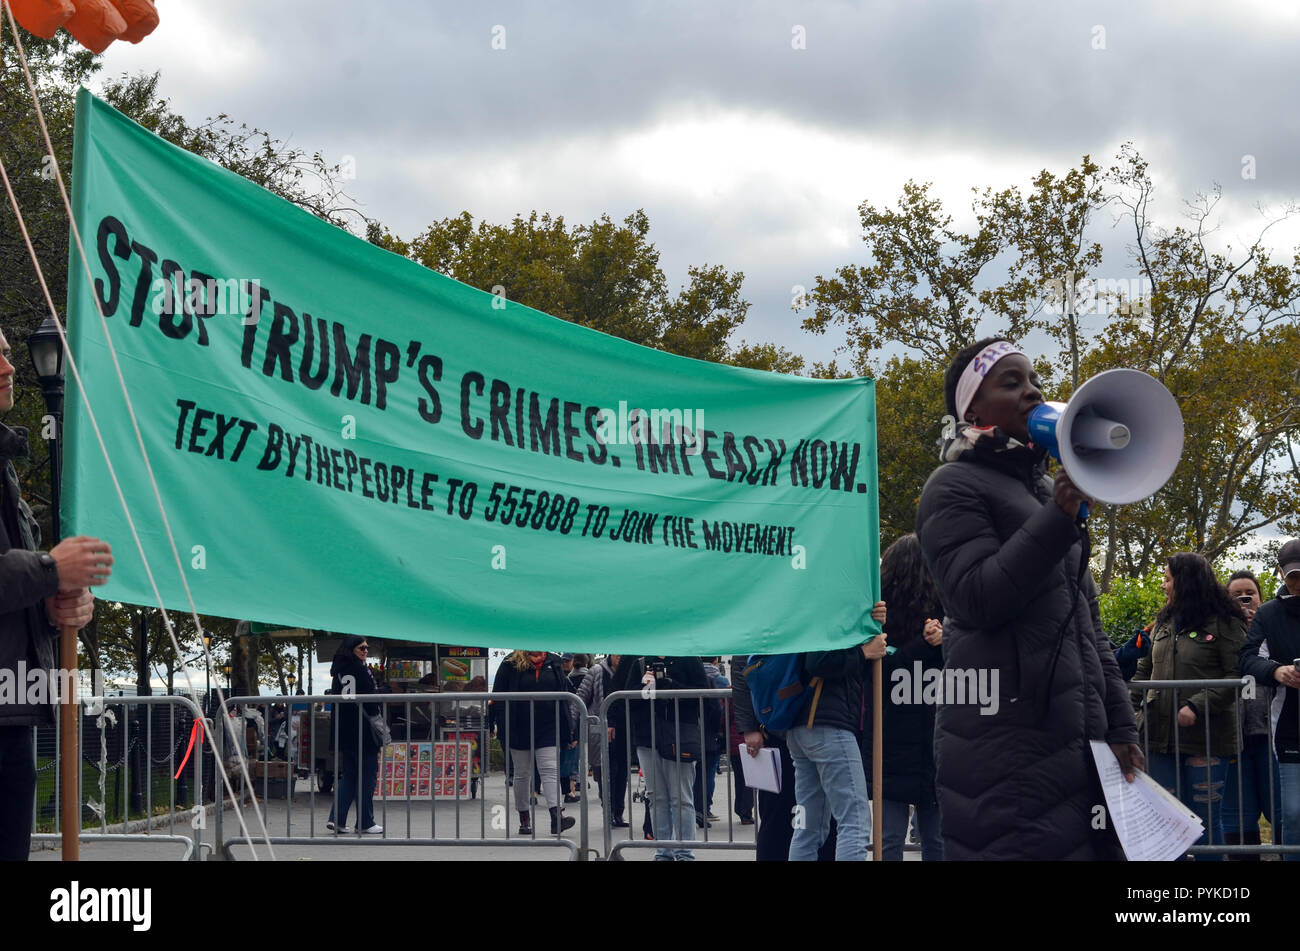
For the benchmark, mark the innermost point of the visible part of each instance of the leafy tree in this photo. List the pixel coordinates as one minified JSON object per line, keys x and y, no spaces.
{"x":602,"y":275}
{"x":1055,"y":260}
{"x":766,"y":356}
{"x":921,"y":288}
{"x":1217,"y":327}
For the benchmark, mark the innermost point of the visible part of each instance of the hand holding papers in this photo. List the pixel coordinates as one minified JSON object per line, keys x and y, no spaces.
{"x":1151,"y":824}
{"x":763,"y":770}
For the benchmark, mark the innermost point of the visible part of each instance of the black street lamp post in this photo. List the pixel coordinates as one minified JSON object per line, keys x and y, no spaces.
{"x":207,"y":673}
{"x":47,"y":357}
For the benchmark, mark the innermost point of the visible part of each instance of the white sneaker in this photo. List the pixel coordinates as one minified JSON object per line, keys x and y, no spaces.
{"x":341,"y":830}
{"x":375,"y":829}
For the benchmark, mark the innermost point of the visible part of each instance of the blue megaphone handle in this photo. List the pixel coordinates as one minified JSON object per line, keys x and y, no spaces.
{"x":1042,"y":430}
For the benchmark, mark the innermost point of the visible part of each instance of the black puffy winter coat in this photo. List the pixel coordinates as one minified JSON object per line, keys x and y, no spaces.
{"x":547,"y":721}
{"x":908,"y":729}
{"x":1277,"y":625}
{"x":348,"y":716}
{"x":841,"y":702}
{"x":680,"y":673}
{"x":25,"y":632}
{"x":1018,"y":783}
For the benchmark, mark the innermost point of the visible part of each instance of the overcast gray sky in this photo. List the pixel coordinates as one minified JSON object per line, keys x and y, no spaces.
{"x":749,"y":132}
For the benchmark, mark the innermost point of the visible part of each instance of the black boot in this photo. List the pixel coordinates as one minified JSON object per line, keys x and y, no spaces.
{"x":559,"y":822}
{"x":525,"y":826}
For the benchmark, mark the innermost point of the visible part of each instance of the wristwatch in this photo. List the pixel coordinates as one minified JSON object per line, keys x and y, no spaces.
{"x":49,"y":564}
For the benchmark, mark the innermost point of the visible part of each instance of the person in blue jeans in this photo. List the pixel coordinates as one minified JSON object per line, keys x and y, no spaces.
{"x":672,"y":747}
{"x":1270,"y":656}
{"x":828,"y":775}
{"x":1192,"y":732}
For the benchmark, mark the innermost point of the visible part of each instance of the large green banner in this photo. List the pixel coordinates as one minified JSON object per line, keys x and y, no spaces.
{"x":344,"y":439}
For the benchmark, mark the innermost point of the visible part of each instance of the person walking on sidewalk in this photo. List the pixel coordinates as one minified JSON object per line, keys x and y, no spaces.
{"x":358,"y":748}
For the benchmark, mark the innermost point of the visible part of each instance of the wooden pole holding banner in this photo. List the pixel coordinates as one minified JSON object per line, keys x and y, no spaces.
{"x":69,"y":761}
{"x":877,"y":758}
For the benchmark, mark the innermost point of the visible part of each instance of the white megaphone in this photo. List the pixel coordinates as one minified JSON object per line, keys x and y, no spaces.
{"x":1119,"y":437}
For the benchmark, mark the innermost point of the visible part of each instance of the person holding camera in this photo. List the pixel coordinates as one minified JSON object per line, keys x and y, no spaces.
{"x":1255,"y":795}
{"x":1272,"y":656}
{"x":669,"y":744}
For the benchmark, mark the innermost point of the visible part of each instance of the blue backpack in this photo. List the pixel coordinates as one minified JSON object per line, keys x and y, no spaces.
{"x":777,"y":690}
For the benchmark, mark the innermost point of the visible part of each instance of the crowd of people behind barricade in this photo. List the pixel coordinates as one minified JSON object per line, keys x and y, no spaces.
{"x":1192,"y":741}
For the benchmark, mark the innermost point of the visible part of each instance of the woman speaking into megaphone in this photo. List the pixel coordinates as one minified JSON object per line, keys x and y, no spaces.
{"x":1015,"y":778}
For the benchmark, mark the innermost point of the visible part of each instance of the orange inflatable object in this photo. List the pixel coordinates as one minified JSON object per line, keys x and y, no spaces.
{"x":42,"y":17}
{"x":141,"y":18}
{"x":95,"y":24}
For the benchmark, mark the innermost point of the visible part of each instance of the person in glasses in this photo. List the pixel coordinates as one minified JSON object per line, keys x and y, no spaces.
{"x":358,"y":749}
{"x":1271,"y":655}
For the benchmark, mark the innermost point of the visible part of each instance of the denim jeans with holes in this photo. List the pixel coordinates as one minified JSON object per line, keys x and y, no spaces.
{"x":1198,"y":782}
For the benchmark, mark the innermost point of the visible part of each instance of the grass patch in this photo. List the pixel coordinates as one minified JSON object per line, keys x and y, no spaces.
{"x":117,"y":793}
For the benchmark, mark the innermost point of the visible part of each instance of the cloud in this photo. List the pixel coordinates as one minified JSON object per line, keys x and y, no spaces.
{"x":749,"y":132}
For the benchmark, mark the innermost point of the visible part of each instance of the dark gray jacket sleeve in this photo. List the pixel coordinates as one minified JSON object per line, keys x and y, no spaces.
{"x":986,"y":583}
{"x":24,"y":580}
{"x":745,"y":720}
{"x":1251,"y":661}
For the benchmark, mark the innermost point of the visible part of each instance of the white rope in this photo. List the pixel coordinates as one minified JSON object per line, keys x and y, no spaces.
{"x":90,"y":415}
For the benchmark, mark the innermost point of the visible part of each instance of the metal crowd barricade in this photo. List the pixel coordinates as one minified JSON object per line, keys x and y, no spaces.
{"x":614,"y":849}
{"x":413,"y":720}
{"x":135,"y":771}
{"x":1214,"y":803}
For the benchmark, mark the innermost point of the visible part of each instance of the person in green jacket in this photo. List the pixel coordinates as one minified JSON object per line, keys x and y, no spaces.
{"x":1191,"y":733}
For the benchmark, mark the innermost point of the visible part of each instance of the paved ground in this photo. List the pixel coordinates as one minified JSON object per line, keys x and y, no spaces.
{"x":490,"y":819}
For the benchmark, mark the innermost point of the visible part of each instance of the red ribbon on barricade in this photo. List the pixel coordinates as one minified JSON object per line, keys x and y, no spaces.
{"x":196,"y":732}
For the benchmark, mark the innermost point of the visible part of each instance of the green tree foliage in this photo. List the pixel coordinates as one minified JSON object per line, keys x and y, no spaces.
{"x":602,"y":275}
{"x":766,"y":356}
{"x":1133,"y":602}
{"x":920,"y":291}
{"x":1218,"y":327}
